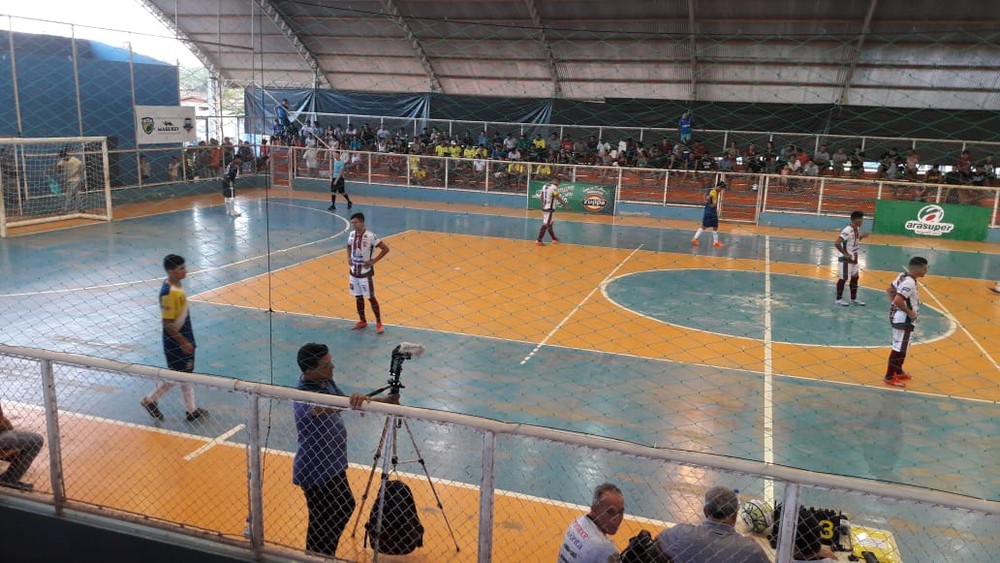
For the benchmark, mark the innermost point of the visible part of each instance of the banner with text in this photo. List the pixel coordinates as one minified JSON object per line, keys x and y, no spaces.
{"x":921,"y":219}
{"x":580,"y":197}
{"x":156,"y":125}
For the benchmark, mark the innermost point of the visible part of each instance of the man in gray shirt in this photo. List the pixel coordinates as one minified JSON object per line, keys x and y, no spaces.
{"x":713,"y":541}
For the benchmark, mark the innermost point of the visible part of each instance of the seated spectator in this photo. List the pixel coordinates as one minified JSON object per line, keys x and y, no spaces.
{"x":728,"y":162}
{"x":857,"y":160}
{"x":509,"y":142}
{"x":19,"y":448}
{"x":911,"y":166}
{"x":587,"y":538}
{"x":484,"y":139}
{"x":933,"y":176}
{"x":791,"y":168}
{"x":810,"y":169}
{"x":964,"y":167}
{"x":988,"y":168}
{"x":715,"y":540}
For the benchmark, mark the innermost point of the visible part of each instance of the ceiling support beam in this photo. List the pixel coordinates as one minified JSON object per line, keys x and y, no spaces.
{"x":195,"y":47}
{"x":856,"y":55}
{"x":319,"y":75}
{"x":397,"y":18}
{"x":550,"y":59}
{"x":694,"y":52}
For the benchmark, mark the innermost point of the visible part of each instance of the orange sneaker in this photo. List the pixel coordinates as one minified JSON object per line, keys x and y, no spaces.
{"x":694,"y":242}
{"x":360,"y":325}
{"x":718,"y":244}
{"x":378,"y":328}
{"x":895,"y":382}
{"x":555,"y":241}
{"x":904,"y":376}
{"x":539,"y":243}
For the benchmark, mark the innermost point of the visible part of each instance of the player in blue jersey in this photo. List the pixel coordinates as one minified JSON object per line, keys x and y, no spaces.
{"x":711,"y":215}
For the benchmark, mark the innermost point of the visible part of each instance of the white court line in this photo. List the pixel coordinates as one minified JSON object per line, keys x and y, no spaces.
{"x":220,"y":439}
{"x":192,"y":273}
{"x":768,"y":372}
{"x":578,"y":306}
{"x":961,"y":327}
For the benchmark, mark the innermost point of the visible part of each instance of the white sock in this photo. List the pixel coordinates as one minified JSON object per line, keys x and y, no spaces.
{"x":188,"y":392}
{"x":698,"y":232}
{"x":715,"y":236}
{"x":230,"y":206}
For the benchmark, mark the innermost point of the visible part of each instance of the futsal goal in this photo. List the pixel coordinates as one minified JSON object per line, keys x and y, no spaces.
{"x":53,"y":179}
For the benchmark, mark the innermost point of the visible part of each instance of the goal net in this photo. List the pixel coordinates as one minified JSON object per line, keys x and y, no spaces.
{"x":53,"y":179}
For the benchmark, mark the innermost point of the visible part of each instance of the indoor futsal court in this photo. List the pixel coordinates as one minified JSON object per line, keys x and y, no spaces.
{"x":624,"y":330}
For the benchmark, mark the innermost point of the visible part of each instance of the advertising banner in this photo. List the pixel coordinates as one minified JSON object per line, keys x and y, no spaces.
{"x":922,"y":219}
{"x":580,"y":197}
{"x":164,"y":124}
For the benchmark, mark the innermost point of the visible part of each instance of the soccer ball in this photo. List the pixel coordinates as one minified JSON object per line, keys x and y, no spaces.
{"x":757,"y":515}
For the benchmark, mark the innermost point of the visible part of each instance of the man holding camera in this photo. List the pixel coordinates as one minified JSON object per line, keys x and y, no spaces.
{"x":320,"y":465}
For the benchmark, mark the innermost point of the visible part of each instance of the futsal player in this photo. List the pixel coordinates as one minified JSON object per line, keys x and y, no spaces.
{"x":848,"y":244}
{"x":550,"y":195}
{"x":902,"y":316}
{"x":337,"y":185}
{"x":229,"y":186}
{"x":710,"y":218}
{"x":361,"y":245}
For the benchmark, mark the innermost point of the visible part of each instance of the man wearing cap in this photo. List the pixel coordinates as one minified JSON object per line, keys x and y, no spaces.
{"x":715,"y":540}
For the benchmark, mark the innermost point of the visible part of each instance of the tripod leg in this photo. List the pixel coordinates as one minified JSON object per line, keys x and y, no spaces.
{"x":388,"y":465}
{"x":371,"y":475}
{"x":437,"y":498}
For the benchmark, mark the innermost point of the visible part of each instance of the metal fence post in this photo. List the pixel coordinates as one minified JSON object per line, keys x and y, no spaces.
{"x":255,"y":478}
{"x":52,"y":429}
{"x":486,"y":485}
{"x":789,"y":522}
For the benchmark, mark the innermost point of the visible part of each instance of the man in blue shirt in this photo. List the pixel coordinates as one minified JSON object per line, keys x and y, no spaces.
{"x":715,"y":540}
{"x":320,"y":465}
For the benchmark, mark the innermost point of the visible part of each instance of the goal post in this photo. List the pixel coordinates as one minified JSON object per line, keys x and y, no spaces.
{"x":52,"y":179}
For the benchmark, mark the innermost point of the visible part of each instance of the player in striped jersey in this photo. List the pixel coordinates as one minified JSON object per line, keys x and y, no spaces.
{"x":848,"y":244}
{"x":710,"y":218}
{"x":361,"y":245}
{"x":550,"y":195}
{"x":902,"y":314}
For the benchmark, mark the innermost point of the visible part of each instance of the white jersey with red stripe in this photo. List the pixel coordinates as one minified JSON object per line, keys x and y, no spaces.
{"x":361,"y":249}
{"x":906,"y":287}
{"x":850,"y":237}
{"x":548,"y":196}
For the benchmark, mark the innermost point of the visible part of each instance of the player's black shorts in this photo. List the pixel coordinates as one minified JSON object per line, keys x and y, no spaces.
{"x":337,"y":186}
{"x":711,"y":221}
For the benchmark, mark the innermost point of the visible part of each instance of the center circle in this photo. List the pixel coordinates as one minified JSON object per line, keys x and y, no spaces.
{"x":732,"y":302}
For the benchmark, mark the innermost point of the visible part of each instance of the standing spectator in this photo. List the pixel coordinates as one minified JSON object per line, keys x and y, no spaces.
{"x":282,"y":116}
{"x":838,"y":160}
{"x":178,"y":339}
{"x":320,"y":465}
{"x":71,"y":174}
{"x":245,"y":154}
{"x":337,"y":184}
{"x":848,"y":244}
{"x":710,"y":217}
{"x":587,"y":539}
{"x":311,"y":156}
{"x":229,"y":187}
{"x":145,"y":168}
{"x":20,"y":448}
{"x":173,"y":169}
{"x":715,"y":540}
{"x":902,"y":315}
{"x":361,"y":245}
{"x":686,"y":126}
{"x":549,"y":195}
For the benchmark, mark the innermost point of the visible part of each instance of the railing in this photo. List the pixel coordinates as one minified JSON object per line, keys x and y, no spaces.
{"x":750,"y":194}
{"x":500,"y":490}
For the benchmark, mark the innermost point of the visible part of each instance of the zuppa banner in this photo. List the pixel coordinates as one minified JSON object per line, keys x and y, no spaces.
{"x":580,"y":197}
{"x":156,"y":125}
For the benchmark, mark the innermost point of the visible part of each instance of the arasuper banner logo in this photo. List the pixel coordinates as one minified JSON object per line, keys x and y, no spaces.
{"x":939,"y":220}
{"x":930,"y":222}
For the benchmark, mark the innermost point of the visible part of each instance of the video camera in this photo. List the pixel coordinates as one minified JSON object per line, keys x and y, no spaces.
{"x":404,"y":351}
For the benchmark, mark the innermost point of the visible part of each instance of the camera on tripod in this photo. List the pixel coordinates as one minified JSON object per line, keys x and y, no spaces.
{"x":404,"y":351}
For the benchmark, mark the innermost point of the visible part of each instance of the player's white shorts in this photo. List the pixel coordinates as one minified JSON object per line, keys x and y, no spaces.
{"x":363,"y":286}
{"x":547,"y":217}
{"x":901,"y":339}
{"x":848,"y":271}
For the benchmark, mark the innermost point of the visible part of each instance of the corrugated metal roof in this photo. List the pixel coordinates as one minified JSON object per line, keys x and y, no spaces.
{"x":917,"y":53}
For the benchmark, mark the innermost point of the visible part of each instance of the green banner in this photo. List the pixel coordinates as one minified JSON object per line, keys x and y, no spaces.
{"x":920,"y":219}
{"x":580,"y":197}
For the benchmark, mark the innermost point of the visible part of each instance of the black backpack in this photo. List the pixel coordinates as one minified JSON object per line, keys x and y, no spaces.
{"x":401,"y":531}
{"x":641,"y":549}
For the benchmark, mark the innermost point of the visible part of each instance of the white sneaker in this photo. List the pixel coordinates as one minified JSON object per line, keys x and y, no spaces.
{"x":858,"y":302}
{"x":842,"y":303}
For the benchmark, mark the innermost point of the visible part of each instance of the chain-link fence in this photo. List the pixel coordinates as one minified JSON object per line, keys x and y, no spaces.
{"x":275,"y":470}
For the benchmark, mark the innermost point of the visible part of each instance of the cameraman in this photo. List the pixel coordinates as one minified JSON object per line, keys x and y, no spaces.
{"x":320,"y":465}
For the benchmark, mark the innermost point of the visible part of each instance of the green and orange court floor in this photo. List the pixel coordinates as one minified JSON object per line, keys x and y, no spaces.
{"x":625,"y":331}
